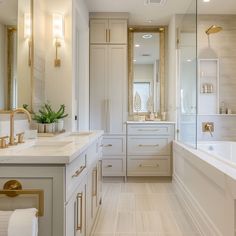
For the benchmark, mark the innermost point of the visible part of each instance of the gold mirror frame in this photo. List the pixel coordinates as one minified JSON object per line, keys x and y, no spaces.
{"x":143,"y":29}
{"x":31,"y":55}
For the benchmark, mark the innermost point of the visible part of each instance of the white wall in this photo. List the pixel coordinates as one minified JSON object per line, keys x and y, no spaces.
{"x":81,"y":64}
{"x":58,"y":80}
{"x":171,"y":83}
{"x":2,"y":67}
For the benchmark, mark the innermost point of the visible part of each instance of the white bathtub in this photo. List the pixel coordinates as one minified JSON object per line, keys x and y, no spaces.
{"x":205,"y":180}
{"x":222,"y":150}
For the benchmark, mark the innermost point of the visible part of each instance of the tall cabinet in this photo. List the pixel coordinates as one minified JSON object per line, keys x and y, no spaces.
{"x":108,"y":89}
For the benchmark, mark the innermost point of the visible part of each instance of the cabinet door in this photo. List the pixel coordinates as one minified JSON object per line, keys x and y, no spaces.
{"x":76,"y":213}
{"x":117,"y":31}
{"x":117,"y":80}
{"x":99,"y":31}
{"x":98,"y":87}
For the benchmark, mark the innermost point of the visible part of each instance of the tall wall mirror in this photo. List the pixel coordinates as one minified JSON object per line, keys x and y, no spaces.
{"x":15,"y":54}
{"x":146,"y":70}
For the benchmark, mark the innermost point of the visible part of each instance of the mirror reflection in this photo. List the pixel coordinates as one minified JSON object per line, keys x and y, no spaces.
{"x":15,"y":71}
{"x":146,"y":70}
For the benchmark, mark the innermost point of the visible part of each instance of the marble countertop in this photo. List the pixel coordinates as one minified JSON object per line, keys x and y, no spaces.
{"x":61,"y":149}
{"x":150,"y":122}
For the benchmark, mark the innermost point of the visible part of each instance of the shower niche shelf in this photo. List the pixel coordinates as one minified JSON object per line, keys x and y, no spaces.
{"x":208,"y":86}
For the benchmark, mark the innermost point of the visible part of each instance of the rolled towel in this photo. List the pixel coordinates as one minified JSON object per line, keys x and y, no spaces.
{"x":4,"y":220}
{"x":23,"y":222}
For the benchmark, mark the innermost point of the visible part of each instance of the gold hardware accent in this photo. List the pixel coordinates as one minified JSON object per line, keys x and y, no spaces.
{"x":3,"y":142}
{"x":79,"y":202}
{"x":78,"y":172}
{"x":208,"y":127}
{"x":57,"y":61}
{"x":13,"y":188}
{"x":18,"y":110}
{"x":94,"y":183}
{"x":109,"y":35}
{"x":109,"y":166}
{"x":108,"y":145}
{"x":20,"y":137}
{"x":106,"y":35}
{"x":148,"y":130}
{"x":141,"y":165}
{"x":29,"y":52}
{"x":148,"y":145}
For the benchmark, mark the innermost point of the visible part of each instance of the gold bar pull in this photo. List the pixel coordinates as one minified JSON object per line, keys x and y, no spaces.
{"x":148,"y":145}
{"x":79,"y":213}
{"x":109,"y":35}
{"x":109,"y":166}
{"x":106,"y":36}
{"x":108,"y":145}
{"x":94,"y":185}
{"x":141,"y":165}
{"x":78,"y":172}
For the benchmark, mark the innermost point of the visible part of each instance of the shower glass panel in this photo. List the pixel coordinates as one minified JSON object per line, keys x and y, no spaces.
{"x":187,"y":51}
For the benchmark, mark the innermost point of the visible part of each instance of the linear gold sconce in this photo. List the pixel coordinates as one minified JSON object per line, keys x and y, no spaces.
{"x":58,"y":34}
{"x":28,"y":35}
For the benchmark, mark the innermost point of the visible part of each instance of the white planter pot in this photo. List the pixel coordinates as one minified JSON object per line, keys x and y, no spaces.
{"x":49,"y":128}
{"x":41,"y":128}
{"x":60,"y":125}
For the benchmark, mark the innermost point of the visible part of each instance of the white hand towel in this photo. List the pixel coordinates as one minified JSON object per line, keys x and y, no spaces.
{"x":4,"y":220}
{"x":23,"y":222}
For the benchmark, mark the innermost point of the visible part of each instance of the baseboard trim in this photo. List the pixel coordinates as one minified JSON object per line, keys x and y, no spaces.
{"x":203,"y":223}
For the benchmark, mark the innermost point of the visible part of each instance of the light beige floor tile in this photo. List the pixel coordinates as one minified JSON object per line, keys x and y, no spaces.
{"x":107,"y":221}
{"x":146,"y":222}
{"x":161,"y":188}
{"x":125,"y":222}
{"x":137,"y":188}
{"x":143,"y":202}
{"x":125,"y":234}
{"x":147,"y":234}
{"x":102,"y":234}
{"x":126,"y":202}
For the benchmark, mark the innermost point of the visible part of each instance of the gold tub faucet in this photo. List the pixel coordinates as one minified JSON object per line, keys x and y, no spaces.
{"x":12,"y":114}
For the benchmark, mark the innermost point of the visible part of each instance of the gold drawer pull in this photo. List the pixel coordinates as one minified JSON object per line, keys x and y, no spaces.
{"x":141,"y":165}
{"x":94,"y":183}
{"x":78,"y":172}
{"x":79,"y":217}
{"x":109,"y":166}
{"x":148,"y":130}
{"x":148,"y":145}
{"x":108,"y":145}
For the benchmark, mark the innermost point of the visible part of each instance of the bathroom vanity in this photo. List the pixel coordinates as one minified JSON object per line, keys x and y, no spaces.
{"x":149,"y":148}
{"x":68,"y":171}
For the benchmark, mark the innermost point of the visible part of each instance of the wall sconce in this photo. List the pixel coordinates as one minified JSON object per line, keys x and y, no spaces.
{"x":58,"y":34}
{"x":28,"y":35}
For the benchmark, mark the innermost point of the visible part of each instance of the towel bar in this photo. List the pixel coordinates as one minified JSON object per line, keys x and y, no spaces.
{"x":13,"y":188}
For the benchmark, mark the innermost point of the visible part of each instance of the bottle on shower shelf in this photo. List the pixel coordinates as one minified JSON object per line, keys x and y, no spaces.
{"x":222,"y":108}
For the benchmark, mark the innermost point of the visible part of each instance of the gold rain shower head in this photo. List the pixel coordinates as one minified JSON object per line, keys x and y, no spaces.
{"x":213,"y":29}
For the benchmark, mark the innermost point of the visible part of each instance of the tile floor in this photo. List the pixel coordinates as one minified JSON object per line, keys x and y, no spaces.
{"x":142,"y":209}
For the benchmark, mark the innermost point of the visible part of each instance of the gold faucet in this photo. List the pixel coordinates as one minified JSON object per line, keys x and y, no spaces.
{"x":208,"y":127}
{"x":12,"y":114}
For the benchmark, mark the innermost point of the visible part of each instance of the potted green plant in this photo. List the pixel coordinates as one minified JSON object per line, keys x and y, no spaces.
{"x":46,"y":118}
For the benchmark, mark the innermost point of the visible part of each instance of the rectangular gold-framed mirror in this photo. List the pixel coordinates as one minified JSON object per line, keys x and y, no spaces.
{"x":16,"y":54}
{"x":146,"y":66}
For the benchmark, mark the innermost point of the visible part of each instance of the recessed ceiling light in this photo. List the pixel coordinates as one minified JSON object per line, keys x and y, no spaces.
{"x":147,"y":36}
{"x":137,"y":45}
{"x":189,"y":60}
{"x":149,"y":21}
{"x":206,"y":0}
{"x":134,"y":60}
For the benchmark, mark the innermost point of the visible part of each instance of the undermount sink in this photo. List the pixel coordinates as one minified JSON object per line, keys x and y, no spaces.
{"x":50,"y":144}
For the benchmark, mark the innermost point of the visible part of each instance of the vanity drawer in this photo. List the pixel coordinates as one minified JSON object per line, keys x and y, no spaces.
{"x":113,"y":167}
{"x":137,"y":167}
{"x":150,"y":129}
{"x":149,"y":145}
{"x":74,"y":173}
{"x":114,"y":146}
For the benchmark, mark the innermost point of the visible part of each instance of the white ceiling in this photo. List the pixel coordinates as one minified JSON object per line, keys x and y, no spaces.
{"x":160,"y":15}
{"x":8,"y":12}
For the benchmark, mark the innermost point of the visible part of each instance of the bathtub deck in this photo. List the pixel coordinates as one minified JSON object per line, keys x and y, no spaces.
{"x":142,"y":209}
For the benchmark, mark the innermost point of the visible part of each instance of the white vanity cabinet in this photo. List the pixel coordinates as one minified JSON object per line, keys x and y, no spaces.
{"x":149,"y":148}
{"x":72,"y":192}
{"x":103,"y":31}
